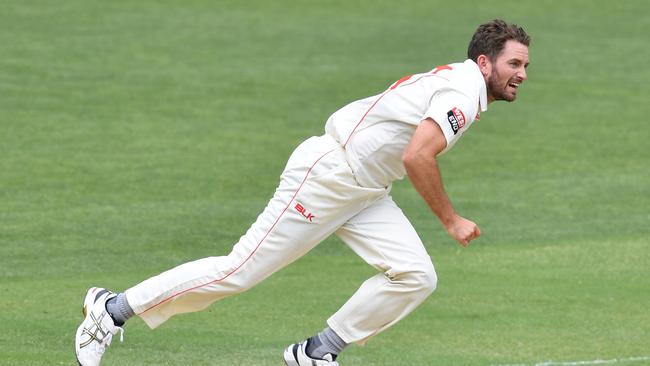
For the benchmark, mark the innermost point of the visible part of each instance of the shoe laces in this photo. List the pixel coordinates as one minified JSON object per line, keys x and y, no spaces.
{"x":110,"y":340}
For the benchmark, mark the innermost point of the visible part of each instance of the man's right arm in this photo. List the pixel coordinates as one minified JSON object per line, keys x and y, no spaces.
{"x":422,"y":169}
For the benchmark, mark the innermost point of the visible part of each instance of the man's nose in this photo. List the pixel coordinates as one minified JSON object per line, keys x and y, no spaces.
{"x":522,"y":74}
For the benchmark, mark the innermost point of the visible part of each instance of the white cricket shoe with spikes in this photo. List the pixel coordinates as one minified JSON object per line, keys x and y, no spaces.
{"x":296,"y":355}
{"x":96,"y":332}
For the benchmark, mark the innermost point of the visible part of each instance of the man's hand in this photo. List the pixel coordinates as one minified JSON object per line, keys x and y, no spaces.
{"x":462,"y":230}
{"x":422,"y":168}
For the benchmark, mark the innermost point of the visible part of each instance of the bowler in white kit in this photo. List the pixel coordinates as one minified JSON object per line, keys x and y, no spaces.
{"x":339,"y":183}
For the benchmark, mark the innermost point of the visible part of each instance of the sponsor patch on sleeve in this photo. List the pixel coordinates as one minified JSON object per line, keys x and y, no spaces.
{"x":456,"y":119}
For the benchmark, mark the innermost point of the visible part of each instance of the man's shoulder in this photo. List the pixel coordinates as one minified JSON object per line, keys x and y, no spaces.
{"x":464,"y":77}
{"x":465,"y":72}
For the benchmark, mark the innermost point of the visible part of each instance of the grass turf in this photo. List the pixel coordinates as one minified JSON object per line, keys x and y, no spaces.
{"x":139,"y":136}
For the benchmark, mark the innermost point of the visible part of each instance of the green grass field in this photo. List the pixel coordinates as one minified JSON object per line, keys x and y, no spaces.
{"x":135,"y":136}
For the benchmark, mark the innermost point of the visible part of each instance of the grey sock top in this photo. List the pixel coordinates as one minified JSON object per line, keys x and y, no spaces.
{"x":119,"y":309}
{"x":325,"y":342}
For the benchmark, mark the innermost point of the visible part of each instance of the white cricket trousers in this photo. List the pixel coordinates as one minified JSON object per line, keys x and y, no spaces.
{"x":317,"y":196}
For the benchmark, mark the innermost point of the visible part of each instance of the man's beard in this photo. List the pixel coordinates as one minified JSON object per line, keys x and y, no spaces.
{"x":497,"y":91}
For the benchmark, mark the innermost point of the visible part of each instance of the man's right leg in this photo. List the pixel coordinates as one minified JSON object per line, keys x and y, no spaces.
{"x":316,"y":195}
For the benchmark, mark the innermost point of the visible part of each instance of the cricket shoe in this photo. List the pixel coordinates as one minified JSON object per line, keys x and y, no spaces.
{"x":96,"y":332}
{"x":296,"y":355}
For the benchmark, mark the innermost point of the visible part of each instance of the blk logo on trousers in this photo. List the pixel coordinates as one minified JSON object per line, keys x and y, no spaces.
{"x":303,"y":211}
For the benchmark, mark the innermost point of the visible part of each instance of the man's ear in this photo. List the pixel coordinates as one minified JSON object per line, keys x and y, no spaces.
{"x":484,"y":64}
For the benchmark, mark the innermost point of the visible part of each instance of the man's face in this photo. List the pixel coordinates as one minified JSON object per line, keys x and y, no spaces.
{"x":508,"y":71}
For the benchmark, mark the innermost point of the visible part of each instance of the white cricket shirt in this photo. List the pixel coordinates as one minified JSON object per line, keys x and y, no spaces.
{"x":375,"y":131}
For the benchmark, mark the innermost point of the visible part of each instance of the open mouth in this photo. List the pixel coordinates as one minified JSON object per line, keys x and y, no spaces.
{"x":514,"y":85}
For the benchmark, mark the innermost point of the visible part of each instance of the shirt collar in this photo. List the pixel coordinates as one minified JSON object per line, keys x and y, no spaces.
{"x":480,"y":81}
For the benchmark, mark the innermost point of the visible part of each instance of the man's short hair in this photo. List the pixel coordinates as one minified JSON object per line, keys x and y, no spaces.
{"x":490,"y":38}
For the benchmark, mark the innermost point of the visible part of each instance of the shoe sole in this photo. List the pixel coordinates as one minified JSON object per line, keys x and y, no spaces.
{"x":91,"y":295}
{"x":290,"y":357}
{"x":84,"y":311}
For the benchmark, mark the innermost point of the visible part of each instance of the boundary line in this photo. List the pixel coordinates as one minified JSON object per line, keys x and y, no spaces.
{"x":581,"y":363}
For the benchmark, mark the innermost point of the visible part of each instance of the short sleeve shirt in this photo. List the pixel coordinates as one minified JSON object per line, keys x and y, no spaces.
{"x":375,"y":131}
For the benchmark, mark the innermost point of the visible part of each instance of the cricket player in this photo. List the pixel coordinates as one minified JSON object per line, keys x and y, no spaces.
{"x":339,"y":183}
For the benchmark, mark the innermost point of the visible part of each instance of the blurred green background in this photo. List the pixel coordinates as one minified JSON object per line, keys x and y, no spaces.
{"x":135,"y":136}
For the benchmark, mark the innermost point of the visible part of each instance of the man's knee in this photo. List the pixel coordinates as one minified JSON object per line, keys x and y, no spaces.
{"x":234,"y":277}
{"x":420,"y":278}
{"x":428,"y":278}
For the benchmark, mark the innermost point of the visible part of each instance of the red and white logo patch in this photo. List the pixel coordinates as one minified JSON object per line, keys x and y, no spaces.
{"x":456,"y":119}
{"x":460,"y":117}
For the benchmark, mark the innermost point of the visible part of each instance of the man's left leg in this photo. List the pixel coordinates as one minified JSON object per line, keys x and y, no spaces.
{"x":385,"y":239}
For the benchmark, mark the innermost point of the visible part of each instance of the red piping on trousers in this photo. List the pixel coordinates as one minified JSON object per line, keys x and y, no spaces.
{"x":254,"y":250}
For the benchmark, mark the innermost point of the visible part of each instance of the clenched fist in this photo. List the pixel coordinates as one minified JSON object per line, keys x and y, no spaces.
{"x":463,"y":230}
